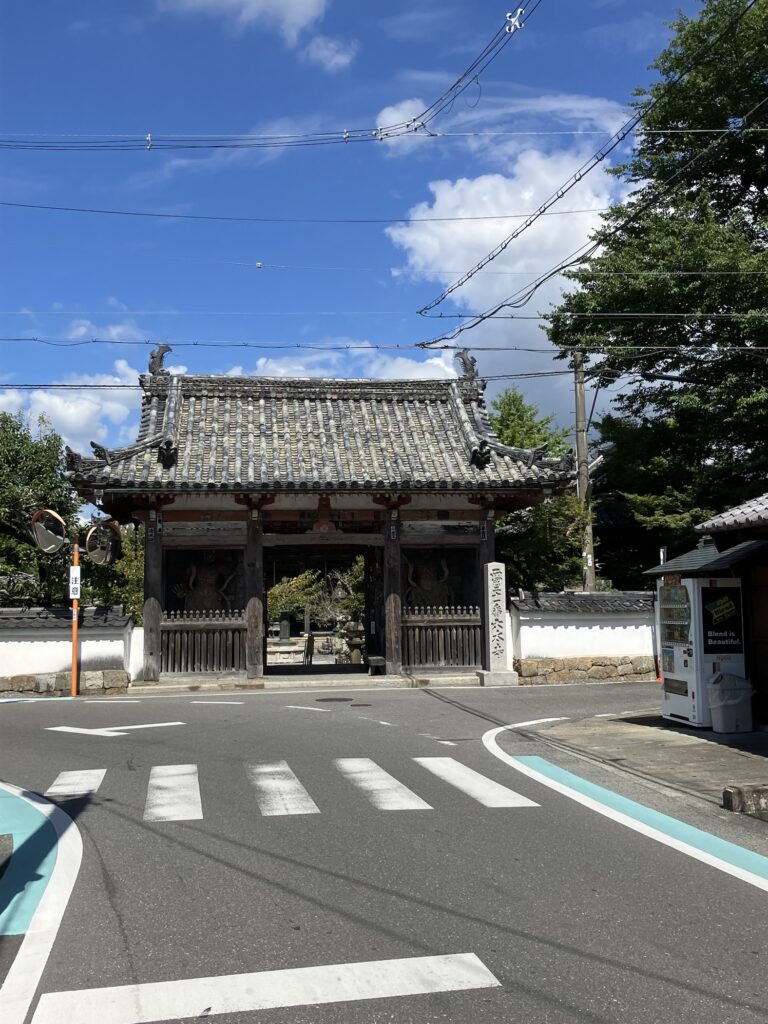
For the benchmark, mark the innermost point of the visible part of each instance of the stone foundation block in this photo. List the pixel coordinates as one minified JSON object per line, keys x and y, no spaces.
{"x":643,"y":664}
{"x":533,"y":671}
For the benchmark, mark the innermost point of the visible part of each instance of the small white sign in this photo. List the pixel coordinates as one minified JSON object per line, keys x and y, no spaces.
{"x":74,"y":582}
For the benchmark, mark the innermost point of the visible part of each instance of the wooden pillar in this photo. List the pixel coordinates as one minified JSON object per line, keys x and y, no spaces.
{"x":486,"y":551}
{"x":153,"y":594}
{"x":392,"y":596}
{"x":254,"y":596}
{"x":487,"y":537}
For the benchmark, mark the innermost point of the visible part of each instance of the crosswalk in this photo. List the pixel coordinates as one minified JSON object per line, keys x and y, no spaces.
{"x":173,"y":790}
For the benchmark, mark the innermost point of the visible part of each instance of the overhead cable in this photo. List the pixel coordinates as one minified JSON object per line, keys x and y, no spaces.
{"x":701,"y":55}
{"x":521,"y":297}
{"x":287,"y":220}
{"x":420,"y":123}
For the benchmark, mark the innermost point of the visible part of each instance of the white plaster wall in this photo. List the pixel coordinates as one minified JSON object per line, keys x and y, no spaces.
{"x":35,"y":655}
{"x":560,"y":636}
{"x":134,"y":658}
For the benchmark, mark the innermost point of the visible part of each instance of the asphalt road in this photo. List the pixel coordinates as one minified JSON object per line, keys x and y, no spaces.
{"x":280,"y":859}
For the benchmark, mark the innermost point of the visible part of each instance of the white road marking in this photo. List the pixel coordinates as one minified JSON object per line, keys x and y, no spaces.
{"x":384,"y":791}
{"x":299,"y":707}
{"x":73,"y":784}
{"x":484,"y":790}
{"x":111,"y":730}
{"x":491,"y":744}
{"x":111,"y":700}
{"x":173,"y":794}
{"x":21,"y":981}
{"x":610,"y":714}
{"x":243,"y":993}
{"x":217,"y":702}
{"x":278,"y":791}
{"x":447,"y":743}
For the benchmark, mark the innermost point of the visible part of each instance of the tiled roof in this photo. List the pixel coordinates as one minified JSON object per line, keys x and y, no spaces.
{"x":61,"y":618}
{"x":751,"y":513}
{"x":621,"y":603}
{"x":706,"y":560}
{"x":271,"y":434}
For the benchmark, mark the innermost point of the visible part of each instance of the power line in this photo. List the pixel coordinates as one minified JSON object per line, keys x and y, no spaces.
{"x":522,"y":296}
{"x":370,"y":346}
{"x":246,"y":137}
{"x":56,"y":386}
{"x":420,"y":123}
{"x":374,"y":312}
{"x":286,"y":220}
{"x":591,"y":163}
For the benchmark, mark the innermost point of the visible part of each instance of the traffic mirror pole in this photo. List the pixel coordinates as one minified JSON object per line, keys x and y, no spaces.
{"x":74,"y":593}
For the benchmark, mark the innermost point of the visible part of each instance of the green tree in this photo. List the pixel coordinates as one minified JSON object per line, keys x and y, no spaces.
{"x":672,"y":306}
{"x":294,"y":595}
{"x":31,"y":464}
{"x":541,"y":546}
{"x":519,"y":424}
{"x":122,"y":582}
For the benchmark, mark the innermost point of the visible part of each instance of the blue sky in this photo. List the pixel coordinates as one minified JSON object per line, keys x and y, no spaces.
{"x":234,"y":67}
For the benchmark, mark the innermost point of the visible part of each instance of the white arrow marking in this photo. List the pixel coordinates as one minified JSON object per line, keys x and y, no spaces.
{"x":114,"y":730}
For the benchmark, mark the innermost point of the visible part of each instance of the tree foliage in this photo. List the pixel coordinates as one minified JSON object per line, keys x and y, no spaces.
{"x":31,"y":461}
{"x":340,"y":595}
{"x":541,"y":546}
{"x":519,"y":424}
{"x":685,"y":263}
{"x":122,"y":582}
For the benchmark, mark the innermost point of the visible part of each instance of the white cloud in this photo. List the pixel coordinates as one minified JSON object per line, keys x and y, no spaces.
{"x":360,"y":360}
{"x":416,"y":24}
{"x":11,"y":401}
{"x":501,"y":120}
{"x":435,"y":250}
{"x":81,"y":329}
{"x":222,"y":159}
{"x":399,"y":113}
{"x":330,"y":54}
{"x":289,"y":17}
{"x":82,"y":415}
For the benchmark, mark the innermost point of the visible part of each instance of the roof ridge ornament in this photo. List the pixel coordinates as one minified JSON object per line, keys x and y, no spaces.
{"x":468,"y":364}
{"x":156,"y":360}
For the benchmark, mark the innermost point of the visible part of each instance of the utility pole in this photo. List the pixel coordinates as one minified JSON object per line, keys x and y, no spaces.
{"x":582,"y":462}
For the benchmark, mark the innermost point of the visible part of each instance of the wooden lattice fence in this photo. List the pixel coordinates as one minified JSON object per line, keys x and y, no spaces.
{"x":202,"y":642}
{"x":442,"y":637}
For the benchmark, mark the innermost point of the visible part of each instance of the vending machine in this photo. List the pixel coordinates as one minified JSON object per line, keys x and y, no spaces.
{"x":701,"y":633}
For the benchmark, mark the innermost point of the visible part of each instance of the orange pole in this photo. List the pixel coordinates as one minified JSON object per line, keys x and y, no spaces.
{"x":75,"y":608}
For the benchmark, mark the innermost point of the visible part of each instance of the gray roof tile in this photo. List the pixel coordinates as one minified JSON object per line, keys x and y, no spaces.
{"x":620,"y":603}
{"x":275,"y":434}
{"x":750,"y":513}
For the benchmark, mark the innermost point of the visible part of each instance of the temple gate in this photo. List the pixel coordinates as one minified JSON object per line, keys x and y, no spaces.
{"x":228,"y":472}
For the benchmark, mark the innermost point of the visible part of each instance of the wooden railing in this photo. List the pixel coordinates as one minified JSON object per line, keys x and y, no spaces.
{"x":450,"y":637}
{"x":202,"y":642}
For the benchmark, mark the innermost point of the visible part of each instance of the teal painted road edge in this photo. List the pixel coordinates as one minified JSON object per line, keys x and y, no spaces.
{"x":32,"y":862}
{"x":708,"y":844}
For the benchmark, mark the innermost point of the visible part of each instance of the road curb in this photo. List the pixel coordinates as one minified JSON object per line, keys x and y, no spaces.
{"x":6,"y":849}
{"x":45,"y":915}
{"x":751,"y":800}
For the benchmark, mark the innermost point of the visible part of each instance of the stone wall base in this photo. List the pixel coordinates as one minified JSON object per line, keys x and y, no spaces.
{"x":106,"y":682}
{"x":533,"y":671}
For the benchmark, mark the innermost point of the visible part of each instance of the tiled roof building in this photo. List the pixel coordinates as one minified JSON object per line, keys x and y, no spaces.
{"x":266,"y":434}
{"x":244,"y":480}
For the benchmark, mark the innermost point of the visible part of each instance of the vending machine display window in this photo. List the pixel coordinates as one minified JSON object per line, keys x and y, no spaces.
{"x":674,"y":615}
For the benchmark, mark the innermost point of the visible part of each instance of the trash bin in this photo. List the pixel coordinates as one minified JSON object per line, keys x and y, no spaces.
{"x":730,"y":701}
